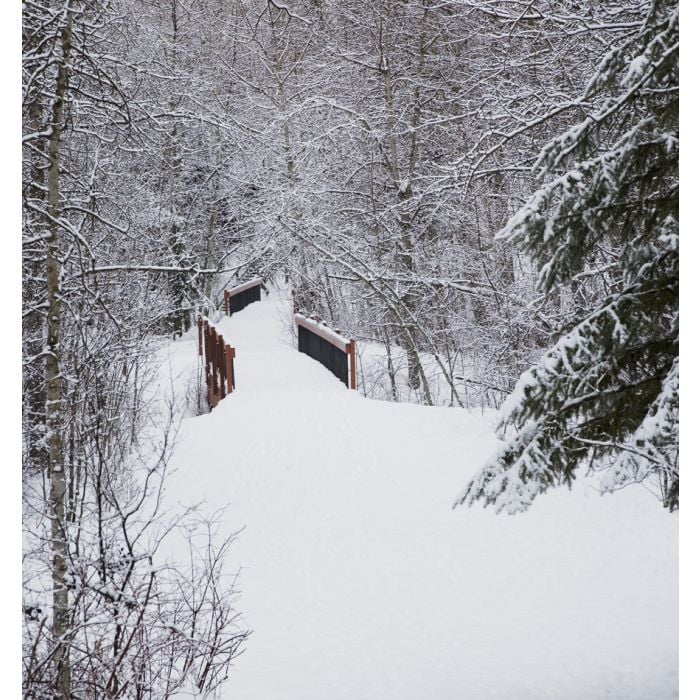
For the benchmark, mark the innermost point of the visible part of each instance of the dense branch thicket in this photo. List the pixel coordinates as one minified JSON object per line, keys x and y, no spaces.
{"x":107,"y":613}
{"x":366,"y":152}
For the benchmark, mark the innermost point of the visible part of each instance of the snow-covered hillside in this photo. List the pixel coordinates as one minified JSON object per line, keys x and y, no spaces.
{"x":360,"y":581}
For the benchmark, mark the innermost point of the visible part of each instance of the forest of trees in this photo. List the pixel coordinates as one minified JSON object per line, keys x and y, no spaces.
{"x":366,"y":152}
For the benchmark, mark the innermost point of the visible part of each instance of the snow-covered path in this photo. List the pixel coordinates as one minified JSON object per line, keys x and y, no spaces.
{"x":360,"y":582}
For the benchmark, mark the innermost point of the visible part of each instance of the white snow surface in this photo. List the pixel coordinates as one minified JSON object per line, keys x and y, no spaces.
{"x":360,"y":581}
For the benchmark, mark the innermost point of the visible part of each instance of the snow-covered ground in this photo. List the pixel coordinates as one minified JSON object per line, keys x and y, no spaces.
{"x":360,"y":581}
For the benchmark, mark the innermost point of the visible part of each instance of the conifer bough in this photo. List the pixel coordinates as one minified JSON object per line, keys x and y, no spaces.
{"x":605,"y":227}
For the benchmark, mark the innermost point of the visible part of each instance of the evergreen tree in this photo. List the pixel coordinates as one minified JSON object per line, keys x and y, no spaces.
{"x":603,"y":231}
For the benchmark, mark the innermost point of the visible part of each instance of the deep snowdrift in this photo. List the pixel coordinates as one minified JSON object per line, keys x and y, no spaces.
{"x":360,"y":582}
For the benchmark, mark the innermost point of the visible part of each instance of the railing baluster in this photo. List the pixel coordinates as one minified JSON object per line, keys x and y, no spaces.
{"x":214,"y":383}
{"x":353,"y":371}
{"x":229,"y":368}
{"x":222,"y":366}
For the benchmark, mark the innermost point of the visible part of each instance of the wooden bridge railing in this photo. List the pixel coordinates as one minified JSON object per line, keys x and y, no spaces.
{"x":328,"y":347}
{"x":218,"y":361}
{"x":239,"y":297}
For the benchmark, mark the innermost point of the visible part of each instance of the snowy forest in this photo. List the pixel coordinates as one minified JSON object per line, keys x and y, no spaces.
{"x":483,"y":194}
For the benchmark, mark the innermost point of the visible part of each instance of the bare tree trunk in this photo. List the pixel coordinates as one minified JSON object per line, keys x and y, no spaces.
{"x":33,"y":324}
{"x":54,"y":398}
{"x":407,"y":335}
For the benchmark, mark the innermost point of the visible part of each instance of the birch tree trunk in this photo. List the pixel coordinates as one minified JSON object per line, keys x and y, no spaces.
{"x":54,"y":397}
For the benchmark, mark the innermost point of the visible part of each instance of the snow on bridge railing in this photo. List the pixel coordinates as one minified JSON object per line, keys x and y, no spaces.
{"x":218,"y":361}
{"x":332,"y":350}
{"x":239,"y":297}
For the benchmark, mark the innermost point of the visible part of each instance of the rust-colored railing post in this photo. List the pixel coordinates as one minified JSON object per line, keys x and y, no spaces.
{"x":221,"y":348}
{"x":233,"y":373}
{"x":222,"y":366}
{"x":353,"y":371}
{"x":227,"y":304}
{"x":212,"y":355}
{"x":229,"y":368}
{"x":199,"y":334}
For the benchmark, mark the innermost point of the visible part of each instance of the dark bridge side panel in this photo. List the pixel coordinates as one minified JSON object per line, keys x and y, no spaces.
{"x":328,"y":355}
{"x":239,"y":301}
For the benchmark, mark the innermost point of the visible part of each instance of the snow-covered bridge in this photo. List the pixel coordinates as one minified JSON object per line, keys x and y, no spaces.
{"x":359,"y":580}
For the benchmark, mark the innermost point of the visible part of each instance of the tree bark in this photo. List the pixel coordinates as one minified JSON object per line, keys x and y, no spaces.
{"x":54,"y":397}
